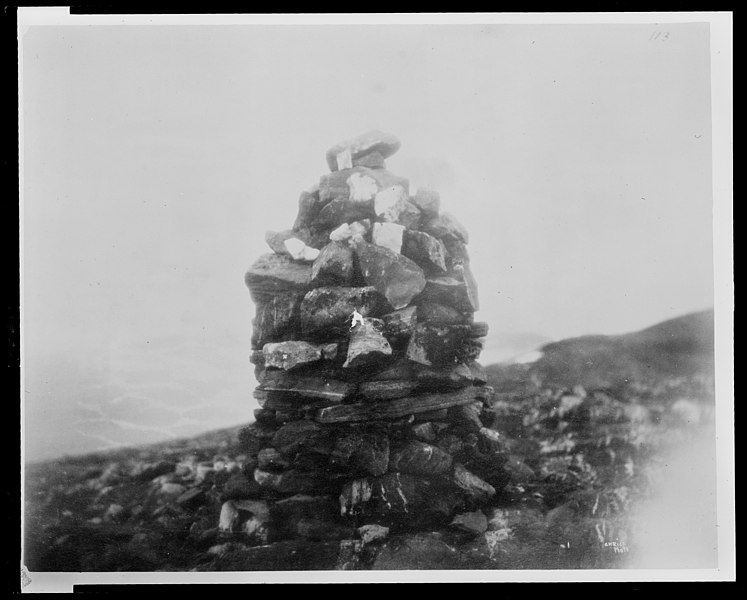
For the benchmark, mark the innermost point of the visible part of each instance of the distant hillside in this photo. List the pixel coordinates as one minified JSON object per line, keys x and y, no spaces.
{"x":678,"y":348}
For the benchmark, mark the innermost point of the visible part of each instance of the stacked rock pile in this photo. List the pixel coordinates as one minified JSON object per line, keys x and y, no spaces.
{"x":365,"y":351}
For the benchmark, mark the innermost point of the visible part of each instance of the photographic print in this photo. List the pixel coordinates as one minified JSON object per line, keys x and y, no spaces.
{"x":376,"y":297}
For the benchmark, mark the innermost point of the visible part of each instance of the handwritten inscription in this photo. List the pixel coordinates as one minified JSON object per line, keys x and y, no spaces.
{"x":659,"y":36}
{"x":618,"y":547}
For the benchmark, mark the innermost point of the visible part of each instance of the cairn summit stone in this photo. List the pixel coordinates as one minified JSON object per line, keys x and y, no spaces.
{"x":344,"y":153}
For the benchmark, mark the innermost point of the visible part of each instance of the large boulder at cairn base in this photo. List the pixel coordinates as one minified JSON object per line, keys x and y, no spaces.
{"x":384,"y":144}
{"x":274,"y":274}
{"x":395,"y":276}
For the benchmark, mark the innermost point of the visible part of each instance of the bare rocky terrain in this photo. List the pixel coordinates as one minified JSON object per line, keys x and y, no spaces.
{"x":586,"y":434}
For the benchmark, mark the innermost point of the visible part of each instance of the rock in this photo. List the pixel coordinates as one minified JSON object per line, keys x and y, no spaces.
{"x":388,"y":235}
{"x":333,"y":266}
{"x":289,"y":242}
{"x":400,"y":323}
{"x":309,"y":205}
{"x":372,"y":160}
{"x":425,"y":432}
{"x":276,"y":318}
{"x":367,"y":344}
{"x":329,"y":310}
{"x":291,"y":555}
{"x":356,"y":231}
{"x":425,"y":250}
{"x":392,"y":205}
{"x":437,"y":345}
{"x":115,"y":512}
{"x":343,"y":210}
{"x":386,"y":390}
{"x":428,"y":201}
{"x":452,"y":292}
{"x":446,"y":226}
{"x":270,"y":459}
{"x":454,"y":377}
{"x":421,"y":459}
{"x":384,"y":144}
{"x":305,"y":386}
{"x":330,"y":351}
{"x":298,"y":250}
{"x":431,"y":415}
{"x":151,"y":470}
{"x":478,"y":329}
{"x":471,"y":485}
{"x":298,"y":435}
{"x":204,"y":472}
{"x":399,"y":407}
{"x":172,"y":489}
{"x":491,"y":440}
{"x":291,"y":354}
{"x":396,"y":497}
{"x":394,"y":276}
{"x":467,"y":417}
{"x":191,"y":499}
{"x":259,"y":509}
{"x":473,"y":523}
{"x":287,"y":511}
{"x":480,"y":376}
{"x":361,"y":453}
{"x":457,"y":252}
{"x":239,"y":486}
{"x":418,"y":551}
{"x":373,"y":533}
{"x":229,"y":517}
{"x":434,"y":313}
{"x":274,"y":274}
{"x":320,"y":530}
{"x":289,"y":482}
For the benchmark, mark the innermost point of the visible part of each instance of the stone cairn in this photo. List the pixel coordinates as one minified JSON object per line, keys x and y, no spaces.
{"x":374,"y":411}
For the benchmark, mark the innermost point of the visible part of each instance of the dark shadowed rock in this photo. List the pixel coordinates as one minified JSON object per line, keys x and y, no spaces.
{"x":384,"y":144}
{"x":367,"y":344}
{"x":394,"y":276}
{"x":362,"y":452}
{"x":291,"y":555}
{"x":444,"y":377}
{"x":456,"y":292}
{"x":420,"y":458}
{"x":343,"y":210}
{"x":446,"y":226}
{"x":294,"y":436}
{"x":473,"y":523}
{"x":466,"y":417}
{"x":290,"y":482}
{"x":418,"y":551}
{"x":240,"y":486}
{"x":425,"y":250}
{"x":309,"y":205}
{"x":269,"y":459}
{"x":471,"y":485}
{"x":276,"y":318}
{"x":400,"y":323}
{"x":328,"y":310}
{"x":333,"y":266}
{"x":274,"y":274}
{"x":437,"y":345}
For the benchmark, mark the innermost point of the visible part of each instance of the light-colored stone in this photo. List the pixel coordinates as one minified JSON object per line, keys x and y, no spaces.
{"x":291,"y":354}
{"x":388,"y":235}
{"x":362,"y":187}
{"x":298,"y":250}
{"x":229,"y":516}
{"x":367,"y":344}
{"x":373,"y":533}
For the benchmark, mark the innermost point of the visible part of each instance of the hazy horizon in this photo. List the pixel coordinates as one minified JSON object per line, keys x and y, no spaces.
{"x":154,"y":159}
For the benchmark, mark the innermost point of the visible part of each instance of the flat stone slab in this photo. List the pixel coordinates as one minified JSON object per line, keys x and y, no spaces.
{"x":273,"y":274}
{"x":384,"y":144}
{"x":401,"y":407}
{"x":309,"y":386}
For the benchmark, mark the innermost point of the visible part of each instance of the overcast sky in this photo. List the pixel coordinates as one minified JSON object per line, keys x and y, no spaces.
{"x":155,"y":157}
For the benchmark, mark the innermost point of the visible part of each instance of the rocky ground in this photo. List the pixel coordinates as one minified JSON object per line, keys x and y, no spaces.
{"x":586,"y":431}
